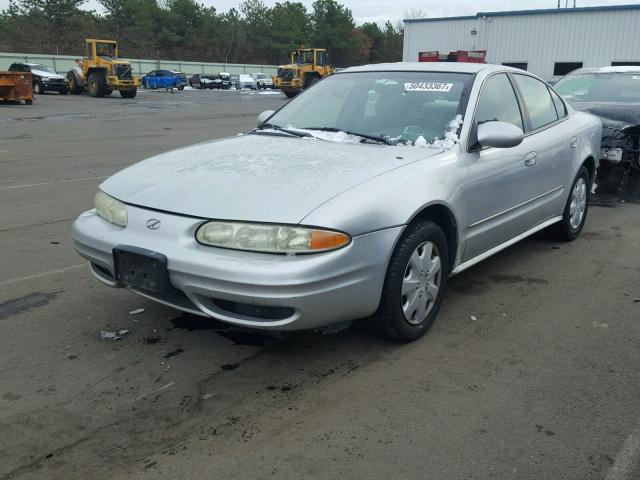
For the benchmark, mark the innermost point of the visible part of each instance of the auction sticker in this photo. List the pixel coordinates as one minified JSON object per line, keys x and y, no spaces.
{"x":428,"y":87}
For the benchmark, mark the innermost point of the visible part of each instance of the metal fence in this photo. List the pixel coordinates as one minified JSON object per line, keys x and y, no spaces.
{"x":64,"y":63}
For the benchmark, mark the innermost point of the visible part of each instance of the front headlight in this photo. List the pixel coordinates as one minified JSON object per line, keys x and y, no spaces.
{"x":110,"y":209}
{"x":269,"y":238}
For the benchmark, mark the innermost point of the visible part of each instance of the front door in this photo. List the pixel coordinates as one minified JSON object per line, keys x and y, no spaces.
{"x":500,"y":186}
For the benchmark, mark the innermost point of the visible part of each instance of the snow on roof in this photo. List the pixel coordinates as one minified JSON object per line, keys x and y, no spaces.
{"x":618,"y":69}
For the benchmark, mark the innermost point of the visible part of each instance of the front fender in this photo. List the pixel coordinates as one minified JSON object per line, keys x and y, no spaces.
{"x":79,"y":76}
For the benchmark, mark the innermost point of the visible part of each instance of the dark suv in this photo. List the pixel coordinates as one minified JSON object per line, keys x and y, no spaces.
{"x":45,"y":78}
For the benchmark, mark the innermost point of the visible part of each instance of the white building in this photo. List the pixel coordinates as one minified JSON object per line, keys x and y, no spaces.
{"x":548,"y":42}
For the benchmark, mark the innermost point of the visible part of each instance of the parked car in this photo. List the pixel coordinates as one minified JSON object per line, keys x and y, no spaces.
{"x":45,"y":79}
{"x":613,"y":94}
{"x":262,"y":80}
{"x":222,"y":81}
{"x":164,"y":79}
{"x":357,"y":199}
{"x":201,"y":81}
{"x":245,"y":81}
{"x":235,"y":78}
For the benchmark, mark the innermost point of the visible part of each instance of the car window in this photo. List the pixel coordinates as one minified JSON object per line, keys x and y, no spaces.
{"x":152,"y":73}
{"x":537,"y":100}
{"x":561,"y":109}
{"x":498,"y":101}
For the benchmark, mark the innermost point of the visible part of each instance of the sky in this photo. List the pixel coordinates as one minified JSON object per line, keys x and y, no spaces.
{"x":395,"y":10}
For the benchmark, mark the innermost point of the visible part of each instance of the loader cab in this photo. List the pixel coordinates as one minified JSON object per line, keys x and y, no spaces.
{"x":104,"y":49}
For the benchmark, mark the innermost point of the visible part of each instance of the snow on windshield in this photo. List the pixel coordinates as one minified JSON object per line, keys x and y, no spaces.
{"x":450,"y":137}
{"x":449,"y":140}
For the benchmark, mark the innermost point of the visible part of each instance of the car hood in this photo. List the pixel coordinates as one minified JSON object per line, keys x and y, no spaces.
{"x":255,"y":177}
{"x":44,"y":73}
{"x":619,"y":120}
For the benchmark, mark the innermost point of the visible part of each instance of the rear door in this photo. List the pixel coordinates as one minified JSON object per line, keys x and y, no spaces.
{"x":552,"y":145}
{"x":500,"y":187}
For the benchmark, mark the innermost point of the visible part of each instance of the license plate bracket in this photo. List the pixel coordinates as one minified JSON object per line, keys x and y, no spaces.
{"x":141,"y":268}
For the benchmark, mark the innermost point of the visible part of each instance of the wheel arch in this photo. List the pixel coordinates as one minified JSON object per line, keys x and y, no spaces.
{"x":590,"y":164}
{"x":443,"y":216}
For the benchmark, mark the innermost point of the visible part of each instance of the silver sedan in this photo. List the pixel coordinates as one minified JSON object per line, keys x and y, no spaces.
{"x":357,"y":199}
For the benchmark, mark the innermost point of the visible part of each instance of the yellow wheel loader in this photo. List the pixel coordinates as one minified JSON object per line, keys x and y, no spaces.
{"x":308,"y":65}
{"x":101,"y":72}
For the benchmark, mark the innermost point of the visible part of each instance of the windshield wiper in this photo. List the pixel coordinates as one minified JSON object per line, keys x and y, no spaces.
{"x":295,"y":133}
{"x":375,"y":138}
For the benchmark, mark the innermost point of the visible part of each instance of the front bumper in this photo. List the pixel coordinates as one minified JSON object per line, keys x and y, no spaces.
{"x":55,"y":86}
{"x":298,"y":292}
{"x":120,"y":84}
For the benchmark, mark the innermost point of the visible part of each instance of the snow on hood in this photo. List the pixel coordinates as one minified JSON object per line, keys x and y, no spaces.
{"x":44,"y":73}
{"x":258,"y":177}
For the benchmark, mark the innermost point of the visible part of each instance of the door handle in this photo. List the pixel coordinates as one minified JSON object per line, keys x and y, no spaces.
{"x":531,"y":159}
{"x":574,"y":142}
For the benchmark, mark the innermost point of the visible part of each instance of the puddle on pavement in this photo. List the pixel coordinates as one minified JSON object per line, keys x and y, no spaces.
{"x":191,"y":323}
{"x":27,"y":302}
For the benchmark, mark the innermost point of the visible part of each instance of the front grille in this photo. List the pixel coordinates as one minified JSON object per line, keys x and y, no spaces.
{"x":258,"y":312}
{"x":58,"y":80}
{"x":285,"y":73}
{"x":123,"y":71}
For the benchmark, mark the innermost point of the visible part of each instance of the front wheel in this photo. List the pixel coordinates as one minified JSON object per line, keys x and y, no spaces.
{"x":575,"y":210}
{"x":37,"y":87}
{"x":181,"y":87}
{"x":74,"y":88}
{"x":97,"y":84}
{"x":128,"y":93}
{"x":415,"y":284}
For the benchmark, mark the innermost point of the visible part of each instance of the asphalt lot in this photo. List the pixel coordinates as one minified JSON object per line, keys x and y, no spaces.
{"x":543,"y":384}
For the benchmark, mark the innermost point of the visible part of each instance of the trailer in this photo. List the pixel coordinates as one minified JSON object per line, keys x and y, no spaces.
{"x":16,"y":86}
{"x":463,"y":56}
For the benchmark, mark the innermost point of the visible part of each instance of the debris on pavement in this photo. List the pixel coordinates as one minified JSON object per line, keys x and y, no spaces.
{"x":473,"y":318}
{"x":137,"y":311}
{"x":113,"y":336}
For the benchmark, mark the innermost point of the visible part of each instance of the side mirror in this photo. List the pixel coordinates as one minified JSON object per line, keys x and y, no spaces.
{"x":499,"y":135}
{"x":263,"y":117}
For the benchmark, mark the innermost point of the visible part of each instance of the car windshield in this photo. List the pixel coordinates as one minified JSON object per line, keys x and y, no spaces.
{"x":261,"y":75}
{"x":43,"y":68}
{"x":600,"y":87}
{"x":394,"y":107}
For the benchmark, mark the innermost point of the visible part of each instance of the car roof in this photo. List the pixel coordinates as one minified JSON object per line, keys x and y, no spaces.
{"x":455,"y":67}
{"x":618,"y":69}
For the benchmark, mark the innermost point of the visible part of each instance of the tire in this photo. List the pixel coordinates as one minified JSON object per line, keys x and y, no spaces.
{"x":74,"y":88}
{"x":415,"y":284}
{"x":570,"y":226}
{"x":128,"y":93}
{"x":181,"y":87}
{"x":310,"y":80}
{"x":290,"y":94}
{"x":97,"y":84}
{"x":37,"y":87}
